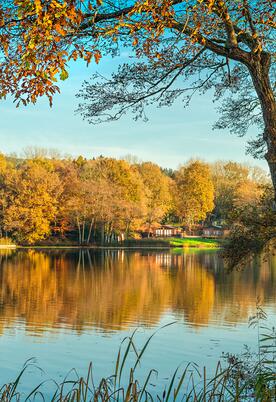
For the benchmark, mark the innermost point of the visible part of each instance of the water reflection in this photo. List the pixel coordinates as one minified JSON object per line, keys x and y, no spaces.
{"x":111,"y":290}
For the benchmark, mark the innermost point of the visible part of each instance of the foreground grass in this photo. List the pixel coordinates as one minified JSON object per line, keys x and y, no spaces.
{"x":245,"y":378}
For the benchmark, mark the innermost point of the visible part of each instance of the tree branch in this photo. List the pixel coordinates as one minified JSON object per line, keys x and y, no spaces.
{"x":234,"y":53}
{"x":95,"y":17}
{"x":221,"y":10}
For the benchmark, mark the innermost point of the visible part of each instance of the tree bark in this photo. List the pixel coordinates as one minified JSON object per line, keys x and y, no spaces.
{"x":109,"y":232}
{"x":149,"y":231}
{"x":79,"y":230}
{"x":102,"y":233}
{"x":90,"y":230}
{"x":259,"y":69}
{"x":149,"y":228}
{"x":83,"y":232}
{"x":127,"y":230}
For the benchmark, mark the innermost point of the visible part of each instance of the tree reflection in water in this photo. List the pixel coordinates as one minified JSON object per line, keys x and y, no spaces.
{"x":111,"y":289}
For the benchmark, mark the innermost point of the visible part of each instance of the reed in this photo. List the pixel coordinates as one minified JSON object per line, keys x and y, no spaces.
{"x":249,"y":377}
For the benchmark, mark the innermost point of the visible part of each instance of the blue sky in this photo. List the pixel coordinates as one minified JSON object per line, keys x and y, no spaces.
{"x":170,"y":137}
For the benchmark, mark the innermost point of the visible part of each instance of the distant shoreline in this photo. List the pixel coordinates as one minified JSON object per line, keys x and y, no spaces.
{"x":146,"y":244}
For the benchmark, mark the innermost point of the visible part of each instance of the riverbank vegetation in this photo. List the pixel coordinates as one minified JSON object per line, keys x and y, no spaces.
{"x":175,"y":242}
{"x":104,"y":200}
{"x":253,"y":232}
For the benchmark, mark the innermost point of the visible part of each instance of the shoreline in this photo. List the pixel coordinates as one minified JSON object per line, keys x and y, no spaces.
{"x":138,"y":247}
{"x":196,"y":243}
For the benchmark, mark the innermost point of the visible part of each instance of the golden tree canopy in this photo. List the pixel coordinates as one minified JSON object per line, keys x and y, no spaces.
{"x":39,"y":37}
{"x":194,"y":192}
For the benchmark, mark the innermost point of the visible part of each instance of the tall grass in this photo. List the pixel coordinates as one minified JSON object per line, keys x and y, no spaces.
{"x":249,"y":377}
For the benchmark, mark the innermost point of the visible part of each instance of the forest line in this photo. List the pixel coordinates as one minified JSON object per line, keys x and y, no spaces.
{"x":105,"y":199}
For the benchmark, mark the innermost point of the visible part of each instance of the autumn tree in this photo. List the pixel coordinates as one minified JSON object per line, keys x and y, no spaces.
{"x":253,"y":232}
{"x":82,"y":200}
{"x":92,"y":203}
{"x":194,"y":194}
{"x":103,"y":199}
{"x":182,"y":46}
{"x":157,"y":188}
{"x":79,"y":204}
{"x":32,"y":192}
{"x":131,"y":208}
{"x":120,"y":197}
{"x":236,"y":185}
{"x":6,"y":170}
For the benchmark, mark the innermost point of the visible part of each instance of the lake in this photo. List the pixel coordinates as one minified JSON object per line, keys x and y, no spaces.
{"x":68,"y":307}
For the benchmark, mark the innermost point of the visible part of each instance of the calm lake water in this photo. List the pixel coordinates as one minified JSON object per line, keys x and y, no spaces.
{"x":66,"y":308}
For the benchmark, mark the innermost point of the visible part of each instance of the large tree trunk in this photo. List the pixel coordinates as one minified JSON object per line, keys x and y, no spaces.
{"x":259,"y":70}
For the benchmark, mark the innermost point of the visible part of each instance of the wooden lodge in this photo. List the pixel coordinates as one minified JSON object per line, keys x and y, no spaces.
{"x":166,"y":231}
{"x":158,"y":230}
{"x":161,"y":231}
{"x":215,"y":231}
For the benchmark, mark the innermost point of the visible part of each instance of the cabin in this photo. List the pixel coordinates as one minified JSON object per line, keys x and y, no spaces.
{"x":166,"y":231}
{"x":215,"y":231}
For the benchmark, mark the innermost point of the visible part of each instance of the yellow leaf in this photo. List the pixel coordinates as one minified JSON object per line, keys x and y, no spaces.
{"x":64,"y":75}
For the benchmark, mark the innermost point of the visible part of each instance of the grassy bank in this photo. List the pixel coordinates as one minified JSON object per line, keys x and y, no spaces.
{"x":185,"y":242}
{"x":154,"y":243}
{"x":198,"y":242}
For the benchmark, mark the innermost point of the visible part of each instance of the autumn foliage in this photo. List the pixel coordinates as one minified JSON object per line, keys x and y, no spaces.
{"x":39,"y":37}
{"x":181,"y":47}
{"x":106,"y":200}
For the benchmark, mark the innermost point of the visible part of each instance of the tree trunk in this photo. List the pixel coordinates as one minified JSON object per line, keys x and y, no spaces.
{"x":102,"y":233}
{"x":149,"y":229}
{"x":79,"y":230}
{"x":127,"y":230}
{"x":110,"y":232}
{"x":259,"y":69}
{"x":83,"y":232}
{"x":90,"y":230}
